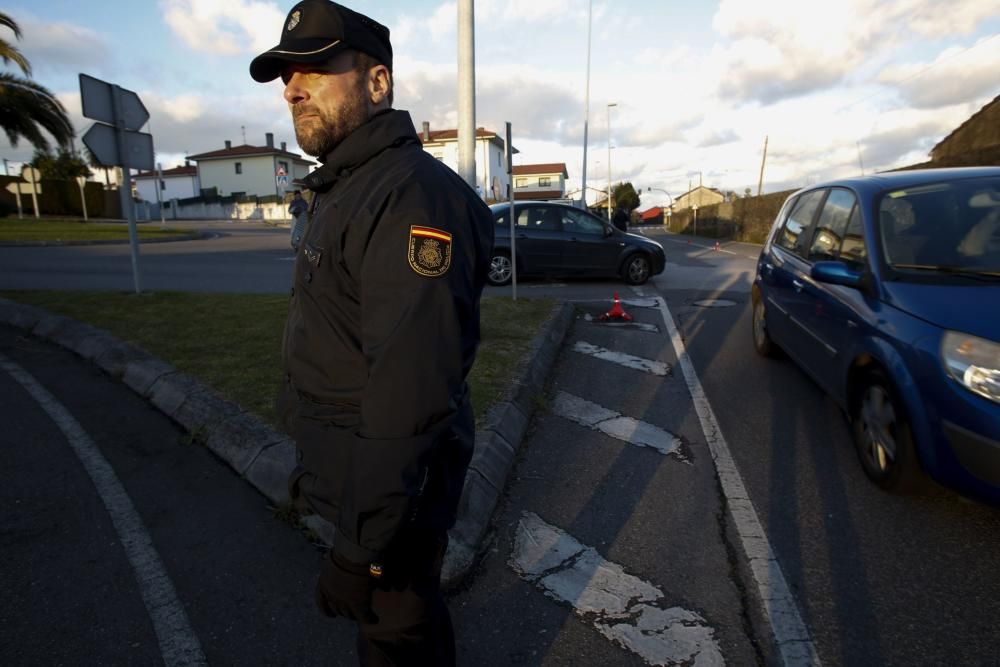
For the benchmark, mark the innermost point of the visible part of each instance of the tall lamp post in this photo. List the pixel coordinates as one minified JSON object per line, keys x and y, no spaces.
{"x":612,"y":104}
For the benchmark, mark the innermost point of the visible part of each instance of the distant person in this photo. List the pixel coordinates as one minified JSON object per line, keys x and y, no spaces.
{"x":297,"y":209}
{"x":620,"y":219}
{"x":382,"y":330}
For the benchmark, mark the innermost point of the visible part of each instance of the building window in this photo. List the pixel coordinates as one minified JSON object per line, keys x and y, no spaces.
{"x":239,"y":167}
{"x":284,"y":166}
{"x":544,"y":181}
{"x":163,"y":184}
{"x":520,"y":183}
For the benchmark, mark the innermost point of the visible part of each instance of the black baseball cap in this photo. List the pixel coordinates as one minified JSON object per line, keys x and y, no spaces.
{"x":316,"y":30}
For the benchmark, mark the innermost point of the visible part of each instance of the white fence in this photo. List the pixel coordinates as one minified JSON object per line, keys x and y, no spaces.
{"x":213,"y":211}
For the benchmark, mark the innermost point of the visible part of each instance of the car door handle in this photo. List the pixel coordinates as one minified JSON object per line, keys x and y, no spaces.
{"x":797,"y":285}
{"x":768,"y":266}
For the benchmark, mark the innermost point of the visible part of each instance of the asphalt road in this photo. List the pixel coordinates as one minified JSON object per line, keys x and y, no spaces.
{"x":879,"y":579}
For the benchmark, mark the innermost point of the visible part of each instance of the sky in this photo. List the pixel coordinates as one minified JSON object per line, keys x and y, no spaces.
{"x":836,"y":88}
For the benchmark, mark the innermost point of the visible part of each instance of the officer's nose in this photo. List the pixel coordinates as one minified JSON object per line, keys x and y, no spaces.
{"x":295,"y":92}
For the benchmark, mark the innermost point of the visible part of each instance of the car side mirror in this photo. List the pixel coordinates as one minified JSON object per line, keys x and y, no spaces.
{"x":839,"y":273}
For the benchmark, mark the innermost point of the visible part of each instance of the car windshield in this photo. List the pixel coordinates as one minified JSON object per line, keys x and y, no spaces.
{"x":948,"y":228}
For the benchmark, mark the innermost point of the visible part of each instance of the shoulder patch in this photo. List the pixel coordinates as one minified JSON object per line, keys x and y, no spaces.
{"x":429,"y":251}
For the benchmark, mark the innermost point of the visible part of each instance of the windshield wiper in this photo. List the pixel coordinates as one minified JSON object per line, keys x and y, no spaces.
{"x":951,"y":270}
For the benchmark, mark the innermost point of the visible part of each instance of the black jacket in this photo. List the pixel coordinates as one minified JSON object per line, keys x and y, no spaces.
{"x":382,"y":329}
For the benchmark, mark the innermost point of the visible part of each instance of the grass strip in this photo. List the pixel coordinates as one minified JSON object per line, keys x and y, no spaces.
{"x":33,"y":231}
{"x":232,"y":342}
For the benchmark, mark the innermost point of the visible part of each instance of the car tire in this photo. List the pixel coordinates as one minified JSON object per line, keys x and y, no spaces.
{"x":501,"y":268}
{"x":762,"y":342}
{"x":882,"y":437}
{"x":636,"y":269}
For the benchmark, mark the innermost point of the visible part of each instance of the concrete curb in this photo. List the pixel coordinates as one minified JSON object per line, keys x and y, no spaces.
{"x":55,"y":244}
{"x":265,"y":458}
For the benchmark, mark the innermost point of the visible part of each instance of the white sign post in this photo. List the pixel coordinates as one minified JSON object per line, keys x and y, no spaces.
{"x":15,"y":188}
{"x":513,"y":222}
{"x":81,"y":181}
{"x":32,"y":175}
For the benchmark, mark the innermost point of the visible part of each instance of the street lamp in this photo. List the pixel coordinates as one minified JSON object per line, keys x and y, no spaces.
{"x":612,"y":104}
{"x":669,"y":210}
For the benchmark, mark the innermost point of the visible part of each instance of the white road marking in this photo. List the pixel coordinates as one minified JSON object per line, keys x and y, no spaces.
{"x":622,"y":359}
{"x":641,"y":303}
{"x":616,"y":425}
{"x":790,"y":632}
{"x":179,"y":646}
{"x":620,"y":606}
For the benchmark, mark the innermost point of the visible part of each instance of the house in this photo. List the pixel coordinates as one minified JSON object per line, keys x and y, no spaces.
{"x":249,"y":171}
{"x":699,"y":196}
{"x":492,"y":181}
{"x":652,"y":216}
{"x":175,"y":183}
{"x":540,"y":181}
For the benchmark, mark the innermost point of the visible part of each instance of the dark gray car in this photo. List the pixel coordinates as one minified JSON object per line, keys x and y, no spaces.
{"x":559,"y":240}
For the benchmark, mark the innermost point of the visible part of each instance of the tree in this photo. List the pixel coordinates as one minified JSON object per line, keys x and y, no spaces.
{"x":63,"y":166}
{"x":27,"y":108}
{"x":625,"y":196}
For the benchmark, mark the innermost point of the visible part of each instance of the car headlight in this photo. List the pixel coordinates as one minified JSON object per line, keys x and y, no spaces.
{"x":974,"y":362}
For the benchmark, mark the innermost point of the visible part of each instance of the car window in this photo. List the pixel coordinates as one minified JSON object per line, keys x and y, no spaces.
{"x":578,"y":222}
{"x":832,"y":225}
{"x":502,"y":215}
{"x":539,"y":218}
{"x":791,"y":235}
{"x":853,"y":250}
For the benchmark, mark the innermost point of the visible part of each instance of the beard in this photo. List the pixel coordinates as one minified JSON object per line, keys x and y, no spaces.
{"x":318,"y":136}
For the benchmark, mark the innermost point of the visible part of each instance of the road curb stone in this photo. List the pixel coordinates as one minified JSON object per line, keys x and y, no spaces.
{"x":265,"y":458}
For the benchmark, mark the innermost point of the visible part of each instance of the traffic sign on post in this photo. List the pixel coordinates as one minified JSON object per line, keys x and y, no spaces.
{"x":117,"y":143}
{"x":32,"y":176}
{"x":98,"y":103}
{"x":103,"y":143}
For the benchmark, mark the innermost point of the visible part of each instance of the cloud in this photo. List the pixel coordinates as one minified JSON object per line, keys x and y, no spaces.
{"x":955,"y":76}
{"x":227,"y":27}
{"x":441,"y":25}
{"x":787,"y":48}
{"x":719,"y":138}
{"x":59,"y":46}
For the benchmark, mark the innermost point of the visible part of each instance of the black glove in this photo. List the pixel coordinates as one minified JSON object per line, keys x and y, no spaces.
{"x":345,"y":589}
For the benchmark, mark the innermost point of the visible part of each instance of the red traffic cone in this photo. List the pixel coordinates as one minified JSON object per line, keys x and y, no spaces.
{"x":616,"y":312}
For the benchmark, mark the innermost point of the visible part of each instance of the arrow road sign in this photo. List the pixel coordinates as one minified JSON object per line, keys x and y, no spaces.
{"x":98,"y":103}
{"x":100,"y":139}
{"x":17,"y":187}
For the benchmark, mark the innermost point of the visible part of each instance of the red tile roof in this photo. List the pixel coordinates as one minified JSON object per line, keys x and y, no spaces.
{"x":246,"y":151}
{"x":173,"y":171}
{"x":652,"y":213}
{"x":550,"y":168}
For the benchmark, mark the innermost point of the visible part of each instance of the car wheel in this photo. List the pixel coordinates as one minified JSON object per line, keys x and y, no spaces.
{"x":636,"y":270}
{"x":761,"y":339}
{"x":501,"y":268}
{"x":882,"y":437}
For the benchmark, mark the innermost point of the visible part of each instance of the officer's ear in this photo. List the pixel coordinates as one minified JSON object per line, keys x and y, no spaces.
{"x":379,"y":86}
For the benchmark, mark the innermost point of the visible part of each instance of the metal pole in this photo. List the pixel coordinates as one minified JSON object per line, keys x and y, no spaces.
{"x":33,"y":179}
{"x":83,"y":195}
{"x":159,"y":184}
{"x":860,"y":162}
{"x":586,"y":109}
{"x":513,"y":237}
{"x":760,"y":183}
{"x":467,"y":92}
{"x":613,"y":104}
{"x":125,"y":187}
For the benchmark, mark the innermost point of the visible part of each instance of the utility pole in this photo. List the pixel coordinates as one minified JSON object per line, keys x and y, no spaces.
{"x":613,"y":104}
{"x":760,"y":182}
{"x":858,"y":144}
{"x":467,"y":92}
{"x":586,"y":111}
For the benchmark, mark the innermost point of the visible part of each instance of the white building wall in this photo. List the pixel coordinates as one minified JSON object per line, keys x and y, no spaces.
{"x":556,"y":182}
{"x":489,"y":165}
{"x":175,"y":187}
{"x":257,"y":177}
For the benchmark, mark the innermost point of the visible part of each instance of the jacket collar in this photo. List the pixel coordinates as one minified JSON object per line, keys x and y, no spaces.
{"x":384,"y":130}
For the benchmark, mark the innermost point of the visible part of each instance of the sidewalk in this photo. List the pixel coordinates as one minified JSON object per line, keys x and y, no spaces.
{"x":265,"y":458}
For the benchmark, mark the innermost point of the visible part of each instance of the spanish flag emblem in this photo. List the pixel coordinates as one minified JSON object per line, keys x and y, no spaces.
{"x":429,"y":251}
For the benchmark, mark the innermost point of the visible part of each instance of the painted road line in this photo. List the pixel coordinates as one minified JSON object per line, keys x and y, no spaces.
{"x":179,"y":646}
{"x":609,"y":422}
{"x":790,"y":632}
{"x":622,"y":359}
{"x":625,"y":609}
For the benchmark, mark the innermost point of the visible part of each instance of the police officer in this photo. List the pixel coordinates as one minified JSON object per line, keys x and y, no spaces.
{"x":382,"y":329}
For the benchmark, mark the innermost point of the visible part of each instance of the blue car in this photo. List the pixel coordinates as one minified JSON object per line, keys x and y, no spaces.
{"x":885,"y":289}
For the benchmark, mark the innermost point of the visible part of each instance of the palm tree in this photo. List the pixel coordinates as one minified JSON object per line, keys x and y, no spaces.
{"x":27,"y":108}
